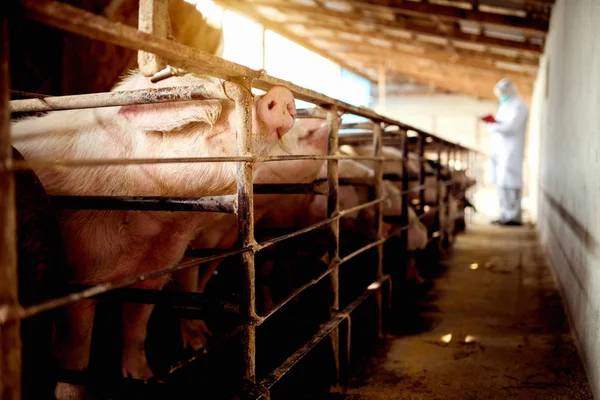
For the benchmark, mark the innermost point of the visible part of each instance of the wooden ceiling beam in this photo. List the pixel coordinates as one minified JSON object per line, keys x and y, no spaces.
{"x":406,"y":25}
{"x":477,"y":74}
{"x":401,"y":55}
{"x":449,"y":73}
{"x":450,"y":13}
{"x":451,"y":81}
{"x":420,"y":46}
{"x":280,"y":29}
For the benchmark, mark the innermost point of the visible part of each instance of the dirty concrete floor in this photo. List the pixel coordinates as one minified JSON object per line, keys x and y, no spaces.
{"x":494,"y":330}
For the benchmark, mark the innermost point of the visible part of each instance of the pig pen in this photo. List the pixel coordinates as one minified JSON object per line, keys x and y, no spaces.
{"x":331,"y":286}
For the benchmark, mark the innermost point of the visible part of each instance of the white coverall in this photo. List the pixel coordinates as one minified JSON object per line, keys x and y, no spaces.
{"x":508,"y":147}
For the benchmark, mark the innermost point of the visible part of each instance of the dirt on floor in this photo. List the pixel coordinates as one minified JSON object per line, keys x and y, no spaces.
{"x":491,"y":327}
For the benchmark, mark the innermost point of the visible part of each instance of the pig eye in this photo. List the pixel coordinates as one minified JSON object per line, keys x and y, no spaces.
{"x":271,"y":105}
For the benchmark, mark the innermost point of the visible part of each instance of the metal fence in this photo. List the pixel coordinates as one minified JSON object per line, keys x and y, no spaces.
{"x":162,"y":58}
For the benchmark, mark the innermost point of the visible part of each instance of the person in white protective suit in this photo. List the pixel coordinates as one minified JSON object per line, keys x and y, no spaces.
{"x":507,"y":131}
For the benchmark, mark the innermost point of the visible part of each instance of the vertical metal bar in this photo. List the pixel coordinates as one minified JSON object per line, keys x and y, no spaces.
{"x":153,"y":17}
{"x":448,"y":187}
{"x":438,"y":194}
{"x":10,"y":340}
{"x":333,"y":209}
{"x":243,"y":108}
{"x":377,"y":133}
{"x":421,"y":174}
{"x":404,"y":216}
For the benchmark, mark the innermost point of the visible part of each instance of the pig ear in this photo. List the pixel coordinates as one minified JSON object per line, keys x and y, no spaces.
{"x":165,"y":117}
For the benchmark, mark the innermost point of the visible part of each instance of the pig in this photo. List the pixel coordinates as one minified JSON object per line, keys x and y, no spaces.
{"x":42,"y":275}
{"x":106,"y":246}
{"x":308,"y":137}
{"x":395,"y":167}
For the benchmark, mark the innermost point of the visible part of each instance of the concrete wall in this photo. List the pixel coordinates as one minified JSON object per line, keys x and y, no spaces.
{"x":568,"y":118}
{"x":452,"y":117}
{"x":456,"y":118}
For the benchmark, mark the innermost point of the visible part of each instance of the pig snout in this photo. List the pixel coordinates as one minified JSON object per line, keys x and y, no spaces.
{"x":277,"y":110}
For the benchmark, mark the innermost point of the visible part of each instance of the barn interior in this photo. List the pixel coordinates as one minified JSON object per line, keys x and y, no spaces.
{"x":347,"y":254}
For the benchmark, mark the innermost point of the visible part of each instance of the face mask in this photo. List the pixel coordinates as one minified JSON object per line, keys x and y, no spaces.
{"x":503,"y":98}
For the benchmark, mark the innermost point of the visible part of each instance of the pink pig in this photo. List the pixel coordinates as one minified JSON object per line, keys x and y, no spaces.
{"x":110,"y":245}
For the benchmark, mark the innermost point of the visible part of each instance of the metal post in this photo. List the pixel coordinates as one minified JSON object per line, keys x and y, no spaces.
{"x":404,"y":216}
{"x":153,"y":17}
{"x":421,"y":174}
{"x":10,"y":340}
{"x":333,"y":209}
{"x":377,"y":133}
{"x":243,"y":107}
{"x":438,"y":194}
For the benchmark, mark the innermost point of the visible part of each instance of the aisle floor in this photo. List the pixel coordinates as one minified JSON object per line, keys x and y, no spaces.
{"x":492,"y":327}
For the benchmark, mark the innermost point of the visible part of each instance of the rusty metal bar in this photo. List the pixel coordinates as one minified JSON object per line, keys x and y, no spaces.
{"x":421,"y":172}
{"x":20,"y":165}
{"x":333,"y":211}
{"x":404,"y":214}
{"x":221,"y":204}
{"x":262,"y":389}
{"x":241,"y":93}
{"x":10,"y":339}
{"x":358,"y":125}
{"x":206,"y":349}
{"x":438,"y":182}
{"x":377,"y":145}
{"x":28,"y":94}
{"x":314,"y":112}
{"x":119,"y":98}
{"x":153,"y":17}
{"x":316,"y":187}
{"x":10,"y":313}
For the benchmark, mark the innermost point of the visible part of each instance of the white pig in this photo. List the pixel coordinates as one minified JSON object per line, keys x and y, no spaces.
{"x":307,"y":137}
{"x":110,"y":245}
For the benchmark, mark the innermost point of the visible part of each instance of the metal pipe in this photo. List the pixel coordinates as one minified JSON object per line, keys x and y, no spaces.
{"x":19,"y":165}
{"x":10,"y":313}
{"x":314,"y":112}
{"x":421,"y":173}
{"x":10,"y":339}
{"x":206,"y":91}
{"x":377,"y":135}
{"x":333,"y":210}
{"x":241,"y":94}
{"x":221,"y":204}
{"x":404,"y":214}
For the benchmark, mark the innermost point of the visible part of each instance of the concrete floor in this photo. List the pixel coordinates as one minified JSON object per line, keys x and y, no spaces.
{"x":492,"y":327}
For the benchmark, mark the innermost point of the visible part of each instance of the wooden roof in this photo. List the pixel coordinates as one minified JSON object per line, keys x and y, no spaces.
{"x":448,"y":45}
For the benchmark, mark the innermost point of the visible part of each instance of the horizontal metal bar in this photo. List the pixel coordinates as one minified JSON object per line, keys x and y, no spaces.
{"x":362,"y":250}
{"x":262,"y":389}
{"x":198,"y":301}
{"x":8,"y":313}
{"x":358,"y":125}
{"x":206,"y":349}
{"x":315,"y":112}
{"x":316,"y":187}
{"x":221,"y":204}
{"x":121,"y":98}
{"x":27,"y":94}
{"x":361,"y":206}
{"x":299,"y":232}
{"x":29,"y":164}
{"x":320,"y":277}
{"x":75,"y":20}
